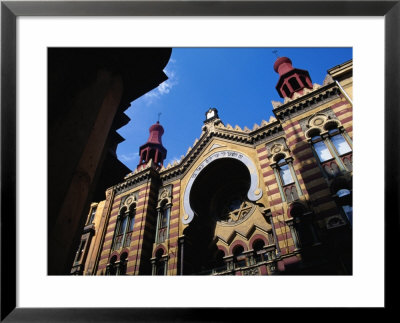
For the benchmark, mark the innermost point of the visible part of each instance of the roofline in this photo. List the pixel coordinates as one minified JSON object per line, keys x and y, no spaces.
{"x":350,"y":61}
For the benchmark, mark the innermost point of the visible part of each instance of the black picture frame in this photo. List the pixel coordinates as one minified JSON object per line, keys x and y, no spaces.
{"x":10,"y":10}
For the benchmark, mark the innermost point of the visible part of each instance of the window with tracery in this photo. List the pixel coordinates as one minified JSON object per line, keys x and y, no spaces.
{"x":123,"y":260}
{"x":239,"y":258}
{"x":111,"y":269}
{"x":81,"y":250}
{"x":92,"y":215}
{"x":162,"y":222}
{"x":285,"y":174}
{"x":117,"y":268}
{"x":331,"y":145}
{"x":124,"y":227}
{"x":259,"y":252}
{"x":160,"y":263}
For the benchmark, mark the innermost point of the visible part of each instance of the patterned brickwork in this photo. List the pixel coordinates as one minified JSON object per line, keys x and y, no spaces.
{"x":283,"y":236}
{"x":282,"y":230}
{"x":173,"y":251}
{"x":287,"y":136}
{"x":143,"y":231}
{"x":171,"y":244}
{"x":308,"y":172}
{"x":344,"y":112}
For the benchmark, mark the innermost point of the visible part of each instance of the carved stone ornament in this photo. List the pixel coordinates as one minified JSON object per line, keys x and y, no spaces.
{"x":165,"y":193}
{"x":250,"y":272}
{"x":131,"y":198}
{"x":277,"y":147}
{"x":235,"y":212}
{"x":317,"y":120}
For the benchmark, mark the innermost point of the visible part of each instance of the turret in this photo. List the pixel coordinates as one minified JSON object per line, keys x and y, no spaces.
{"x":153,"y":148}
{"x":291,"y":80}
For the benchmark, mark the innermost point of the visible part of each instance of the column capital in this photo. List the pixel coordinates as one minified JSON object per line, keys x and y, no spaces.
{"x":289,"y":159}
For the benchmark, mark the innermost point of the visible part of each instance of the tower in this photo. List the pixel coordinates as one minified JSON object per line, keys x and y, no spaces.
{"x":291,"y":80}
{"x":153,"y":148}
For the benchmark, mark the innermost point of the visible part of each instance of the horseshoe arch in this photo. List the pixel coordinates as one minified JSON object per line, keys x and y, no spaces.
{"x":254,"y":193}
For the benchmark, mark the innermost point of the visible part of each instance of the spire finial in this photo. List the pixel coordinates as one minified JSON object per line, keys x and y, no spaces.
{"x":275,"y":51}
{"x":158,"y":119}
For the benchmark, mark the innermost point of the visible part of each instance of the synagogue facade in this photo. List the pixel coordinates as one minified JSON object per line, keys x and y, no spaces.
{"x":273,"y":199}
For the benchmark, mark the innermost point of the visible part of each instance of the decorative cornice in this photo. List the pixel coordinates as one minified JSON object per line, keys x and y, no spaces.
{"x":328,"y":112}
{"x":260,"y":134}
{"x":264,"y":132}
{"x":135,"y":180}
{"x":307,"y":102}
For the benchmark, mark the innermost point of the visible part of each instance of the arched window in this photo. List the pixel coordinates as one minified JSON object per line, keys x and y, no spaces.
{"x":81,"y":250}
{"x":144,"y":156}
{"x":284,"y":172}
{"x":286,"y":89}
{"x":163,"y":222}
{"x":341,"y":145}
{"x":122,"y":224}
{"x":124,"y":227}
{"x":259,"y":252}
{"x":294,"y":83}
{"x":321,"y":149}
{"x":152,"y":155}
{"x":288,"y":184}
{"x":303,"y":80}
{"x":333,"y":147}
{"x":111,"y":269}
{"x":92,"y":214}
{"x":122,"y":264}
{"x":130,"y":225}
{"x":160,"y":265}
{"x":239,"y":258}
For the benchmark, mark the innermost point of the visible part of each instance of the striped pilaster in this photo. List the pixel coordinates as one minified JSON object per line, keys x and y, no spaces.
{"x":308,"y":171}
{"x":173,"y":251}
{"x":301,"y":152}
{"x":142,"y":237}
{"x":268,"y":176}
{"x":344,"y":112}
{"x":283,"y":234}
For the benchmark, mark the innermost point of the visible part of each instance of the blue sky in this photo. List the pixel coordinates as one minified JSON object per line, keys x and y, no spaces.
{"x":239,"y":82}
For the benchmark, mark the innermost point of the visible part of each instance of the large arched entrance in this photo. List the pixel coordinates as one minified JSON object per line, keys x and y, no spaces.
{"x":218,"y":194}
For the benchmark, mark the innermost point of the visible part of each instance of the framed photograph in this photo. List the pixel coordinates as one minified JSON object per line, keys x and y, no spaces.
{"x":39,"y":60}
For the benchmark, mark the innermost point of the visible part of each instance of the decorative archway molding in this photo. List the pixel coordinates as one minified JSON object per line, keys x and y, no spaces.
{"x":254,"y":193}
